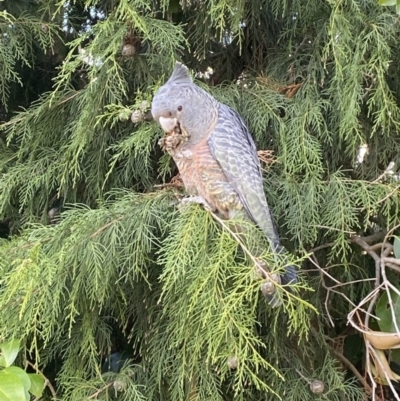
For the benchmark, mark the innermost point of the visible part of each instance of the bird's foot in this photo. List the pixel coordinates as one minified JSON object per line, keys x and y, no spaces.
{"x":174,"y":140}
{"x":199,"y":200}
{"x":170,"y":142}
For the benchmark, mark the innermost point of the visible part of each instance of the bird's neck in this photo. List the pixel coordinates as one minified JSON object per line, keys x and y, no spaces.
{"x":201,"y":126}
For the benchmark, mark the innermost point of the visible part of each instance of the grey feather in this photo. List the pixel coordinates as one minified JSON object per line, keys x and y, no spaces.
{"x":233,"y":147}
{"x":180,"y":75}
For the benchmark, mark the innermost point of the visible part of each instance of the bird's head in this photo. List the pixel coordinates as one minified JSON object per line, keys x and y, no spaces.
{"x":167,"y":106}
{"x":180,"y":101}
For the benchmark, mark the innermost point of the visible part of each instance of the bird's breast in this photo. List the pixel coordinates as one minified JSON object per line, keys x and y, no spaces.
{"x":203,"y":176}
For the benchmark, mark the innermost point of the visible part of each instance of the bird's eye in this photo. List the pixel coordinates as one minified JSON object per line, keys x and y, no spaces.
{"x":179,"y":108}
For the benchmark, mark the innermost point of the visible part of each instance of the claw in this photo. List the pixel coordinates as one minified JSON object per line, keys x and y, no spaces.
{"x":199,"y":200}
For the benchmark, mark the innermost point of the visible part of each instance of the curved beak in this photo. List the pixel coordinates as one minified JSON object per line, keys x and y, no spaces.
{"x":168,"y":124}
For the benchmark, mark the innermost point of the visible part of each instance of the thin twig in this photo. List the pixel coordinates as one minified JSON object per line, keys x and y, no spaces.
{"x":240,"y":242}
{"x":316,"y":264}
{"x":376,"y":286}
{"x":46,"y":380}
{"x":385,"y":249}
{"x":363,"y":280}
{"x":369,"y":297}
{"x":94,"y":395}
{"x":371,"y":238}
{"x":255,"y":261}
{"x":322,"y":272}
{"x":387,"y":170}
{"x":382,"y":368}
{"x":336,"y":229}
{"x":356,"y":373}
{"x":369,"y":371}
{"x":106,"y":226}
{"x":394,"y":318}
{"x":323,"y":246}
{"x":332,"y":289}
{"x":302,"y":376}
{"x":388,"y":195}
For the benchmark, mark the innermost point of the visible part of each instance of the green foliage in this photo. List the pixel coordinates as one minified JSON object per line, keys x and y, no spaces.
{"x":15,"y":383}
{"x":396,"y":247}
{"x":387,"y":321}
{"x":20,"y":38}
{"x":9,"y":351}
{"x":391,"y":3}
{"x":100,"y":257}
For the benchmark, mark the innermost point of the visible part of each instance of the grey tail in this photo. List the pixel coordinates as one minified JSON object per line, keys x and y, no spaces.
{"x":180,"y":75}
{"x":288,"y":278}
{"x":290,"y":275}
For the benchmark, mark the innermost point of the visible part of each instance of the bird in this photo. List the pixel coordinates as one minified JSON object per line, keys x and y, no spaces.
{"x":215,"y":155}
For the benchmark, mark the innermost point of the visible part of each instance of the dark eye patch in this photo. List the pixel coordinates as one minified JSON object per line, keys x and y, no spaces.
{"x":179,"y":108}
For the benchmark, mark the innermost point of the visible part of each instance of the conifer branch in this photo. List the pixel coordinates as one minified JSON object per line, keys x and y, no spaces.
{"x":257,"y":264}
{"x":101,"y":390}
{"x":106,"y":226}
{"x":98,"y":272}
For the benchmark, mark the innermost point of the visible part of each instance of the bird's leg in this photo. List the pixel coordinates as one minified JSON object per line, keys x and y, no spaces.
{"x":199,"y":200}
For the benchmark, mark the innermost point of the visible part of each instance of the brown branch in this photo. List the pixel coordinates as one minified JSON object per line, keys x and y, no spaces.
{"x":363,"y":244}
{"x":372,"y":298}
{"x":380,"y":246}
{"x":354,"y":370}
{"x":395,"y":261}
{"x":385,"y":248}
{"x":315,"y":262}
{"x":379,"y":249}
{"x":375,"y":237}
{"x":46,"y":380}
{"x":104,"y":388}
{"x":371,"y":238}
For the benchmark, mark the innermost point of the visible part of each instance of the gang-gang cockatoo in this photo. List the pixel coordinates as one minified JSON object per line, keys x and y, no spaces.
{"x":215,"y":154}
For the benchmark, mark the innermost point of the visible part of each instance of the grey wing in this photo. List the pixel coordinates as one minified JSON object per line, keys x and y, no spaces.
{"x":233,"y":147}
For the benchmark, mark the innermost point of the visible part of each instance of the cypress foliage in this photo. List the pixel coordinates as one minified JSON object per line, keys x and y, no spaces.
{"x":99,"y":258}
